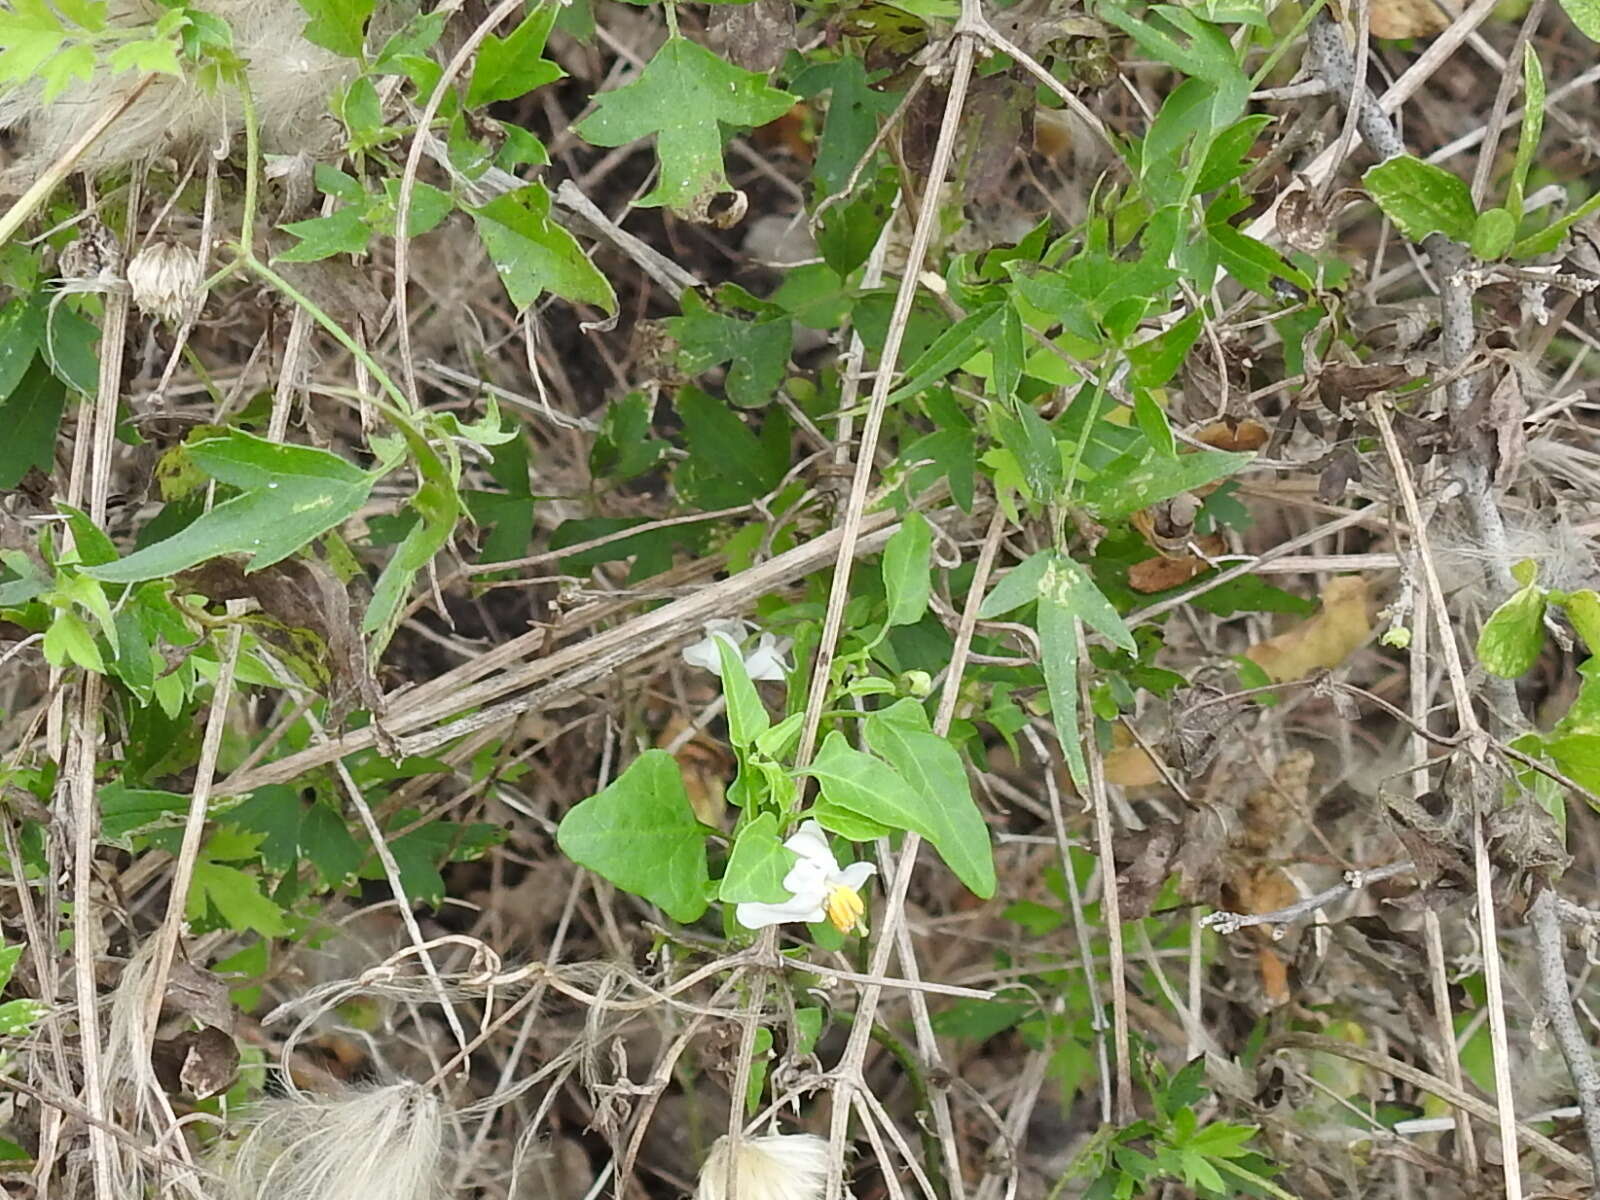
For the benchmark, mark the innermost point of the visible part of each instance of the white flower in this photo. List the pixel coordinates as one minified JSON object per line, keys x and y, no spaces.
{"x":766,"y":661}
{"x":776,"y":1167}
{"x":818,"y":887}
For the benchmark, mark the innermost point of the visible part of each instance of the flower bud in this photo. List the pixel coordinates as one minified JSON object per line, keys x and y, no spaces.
{"x":165,"y":279}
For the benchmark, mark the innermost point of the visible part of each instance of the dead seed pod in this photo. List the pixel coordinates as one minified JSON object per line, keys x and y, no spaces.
{"x":165,"y":279}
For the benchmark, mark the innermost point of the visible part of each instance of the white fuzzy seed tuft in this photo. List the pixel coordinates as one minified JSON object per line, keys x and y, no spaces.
{"x":775,"y":1167}
{"x":381,"y":1143}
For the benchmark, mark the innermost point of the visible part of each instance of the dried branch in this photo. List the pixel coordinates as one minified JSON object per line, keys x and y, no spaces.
{"x":1545,"y":919}
{"x":1231,"y":922}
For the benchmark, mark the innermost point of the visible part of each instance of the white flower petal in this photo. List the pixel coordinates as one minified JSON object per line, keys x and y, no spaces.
{"x":769,"y":659}
{"x":807,"y":878}
{"x":811,"y":844}
{"x":704,"y":654}
{"x":753,"y":914}
{"x":855,"y":875}
{"x":775,"y":1167}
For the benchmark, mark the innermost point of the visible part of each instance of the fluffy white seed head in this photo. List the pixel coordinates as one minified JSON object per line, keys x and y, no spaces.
{"x":165,"y":279}
{"x":290,"y":79}
{"x":381,"y":1143}
{"x":775,"y":1167}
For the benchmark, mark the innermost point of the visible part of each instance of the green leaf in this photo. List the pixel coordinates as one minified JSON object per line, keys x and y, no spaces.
{"x":1207,"y":54}
{"x":1152,"y":420}
{"x":1421,"y":198}
{"x":1131,"y":484}
{"x":1067,"y":583}
{"x":337,"y":25}
{"x":1585,"y":15}
{"x":1578,"y":756}
{"x":748,"y":718}
{"x":326,"y":840}
{"x":933,"y":768}
{"x":1155,"y":361}
{"x":641,"y":834}
{"x":289,"y":496}
{"x":89,"y":541}
{"x":18,"y":1017}
{"x":1548,"y":238}
{"x":237,"y":897}
{"x":727,"y":463}
{"x":439,"y":506}
{"x":8,"y":963}
{"x":623,"y":448}
{"x":681,"y":97}
{"x":344,"y":231}
{"x":515,"y":65}
{"x":72,"y":347}
{"x":419,"y":853}
{"x":1492,"y":233}
{"x":1017,"y":587}
{"x":21,"y":332}
{"x":907,"y":570}
{"x":981,"y":1019}
{"x":854,"y":109}
{"x":759,"y":863}
{"x":870,"y":788}
{"x":32,"y":416}
{"x":507,"y":516}
{"x":1253,"y":263}
{"x":429,"y":206}
{"x":1513,"y":635}
{"x":158,"y":55}
{"x":954,"y":346}
{"x":534,"y":255}
{"x":1058,"y":644}
{"x":851,"y":826}
{"x":126,"y":812}
{"x":1583,"y":610}
{"x":68,"y":640}
{"x":1533,"y":102}
{"x":1030,"y":440}
{"x":275,"y":813}
{"x":757,"y":350}
{"x":1220,"y":1139}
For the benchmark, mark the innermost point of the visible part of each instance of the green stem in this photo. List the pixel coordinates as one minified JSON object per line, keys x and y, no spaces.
{"x":252,"y":153}
{"x":1289,"y":39}
{"x":335,"y":330}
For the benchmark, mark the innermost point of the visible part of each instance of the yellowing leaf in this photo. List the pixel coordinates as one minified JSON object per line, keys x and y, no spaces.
{"x":1322,"y":641}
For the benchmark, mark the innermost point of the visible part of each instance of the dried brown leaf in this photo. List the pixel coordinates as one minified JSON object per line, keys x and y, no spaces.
{"x":1234,"y":435}
{"x":1407,"y":18}
{"x":1153,"y":850}
{"x":1525,"y":840}
{"x":1323,"y":640}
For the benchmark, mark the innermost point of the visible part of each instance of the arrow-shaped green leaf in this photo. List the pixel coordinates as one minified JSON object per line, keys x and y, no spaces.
{"x":289,"y":495}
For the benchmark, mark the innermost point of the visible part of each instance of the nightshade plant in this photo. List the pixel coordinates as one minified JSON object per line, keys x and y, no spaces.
{"x":522,"y":358}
